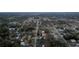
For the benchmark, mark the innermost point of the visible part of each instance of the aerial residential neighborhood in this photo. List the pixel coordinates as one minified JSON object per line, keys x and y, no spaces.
{"x":44,"y":30}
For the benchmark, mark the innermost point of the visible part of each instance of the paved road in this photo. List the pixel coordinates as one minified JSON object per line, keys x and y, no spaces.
{"x":59,"y":35}
{"x":37,"y":28}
